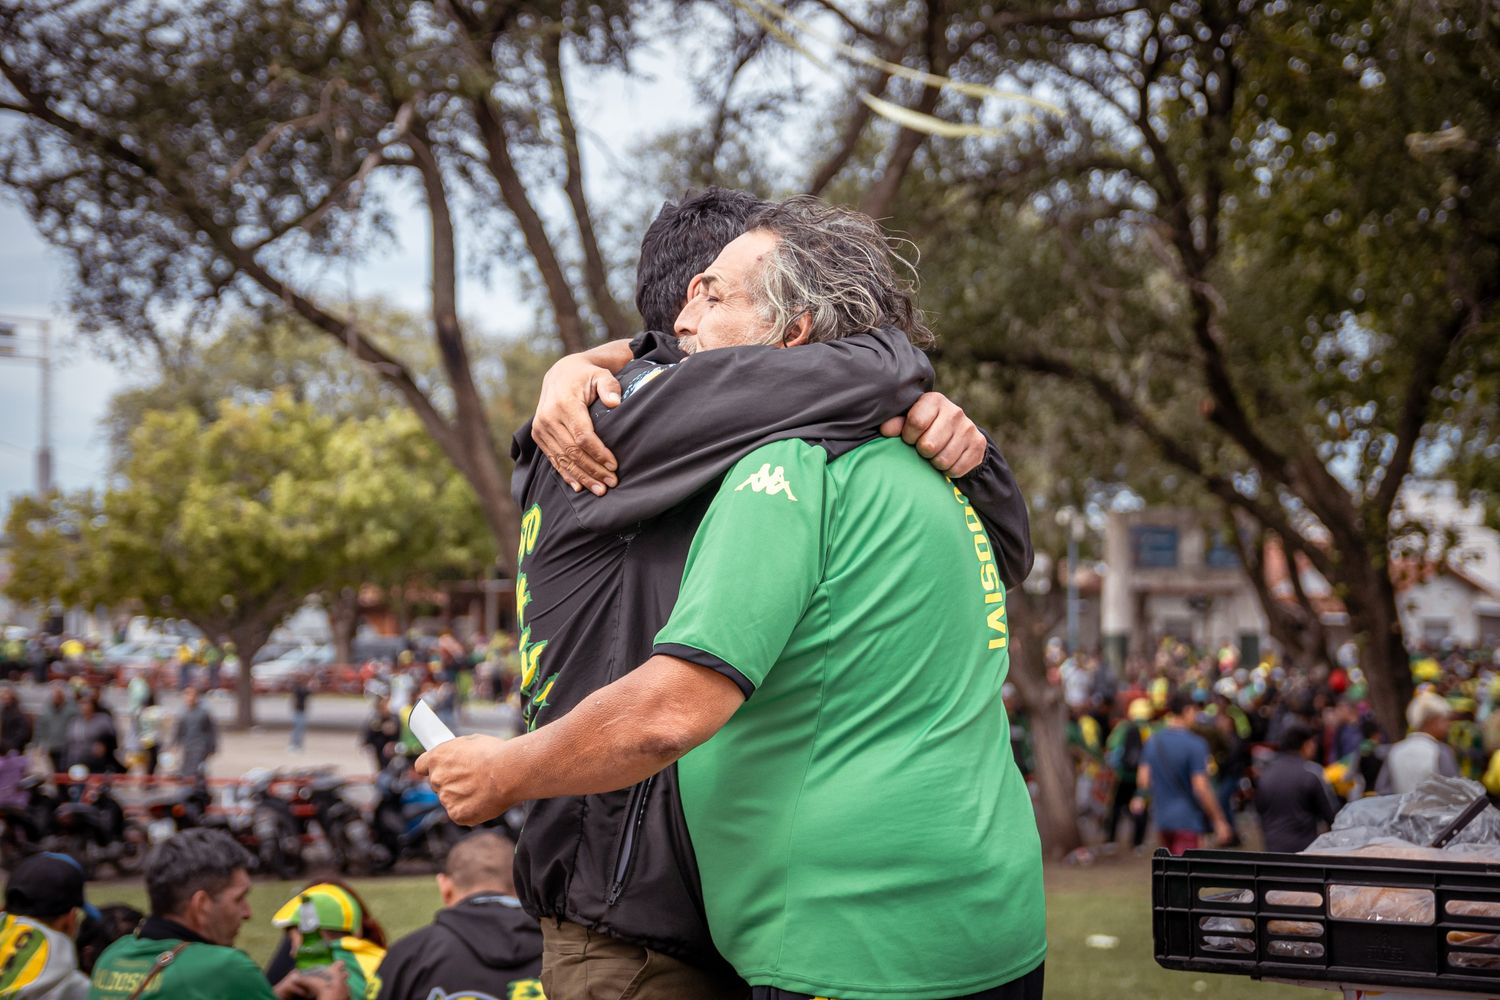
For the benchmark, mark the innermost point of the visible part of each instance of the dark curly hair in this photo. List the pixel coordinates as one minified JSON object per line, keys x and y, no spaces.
{"x":680,"y":243}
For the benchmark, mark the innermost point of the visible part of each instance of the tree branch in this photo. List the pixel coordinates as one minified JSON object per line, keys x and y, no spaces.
{"x":595,"y":274}
{"x":1416,"y":404}
{"x":374,"y":159}
{"x":854,"y":129}
{"x":882,"y":194}
{"x":1129,"y":412}
{"x":863,"y":30}
{"x":472,"y":424}
{"x":1002,"y":22}
{"x":513,"y":192}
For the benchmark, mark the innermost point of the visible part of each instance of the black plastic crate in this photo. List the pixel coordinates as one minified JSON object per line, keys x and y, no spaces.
{"x":1316,"y":918}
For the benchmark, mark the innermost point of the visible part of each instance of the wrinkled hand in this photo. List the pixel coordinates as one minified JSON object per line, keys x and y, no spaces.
{"x":564,"y":430}
{"x":942,"y":433}
{"x":470,"y":777}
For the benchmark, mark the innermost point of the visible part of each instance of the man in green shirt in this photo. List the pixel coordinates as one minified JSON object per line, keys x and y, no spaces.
{"x":199,"y":883}
{"x":861,"y":828}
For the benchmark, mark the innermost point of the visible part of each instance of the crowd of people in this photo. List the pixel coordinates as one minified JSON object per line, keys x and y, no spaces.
{"x":1191,"y":742}
{"x":75,"y":728}
{"x":55,"y":945}
{"x":160,"y":715}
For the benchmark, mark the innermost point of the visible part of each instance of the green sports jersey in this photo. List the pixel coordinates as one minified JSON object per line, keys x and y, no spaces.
{"x":860,"y":825}
{"x":199,"y":972}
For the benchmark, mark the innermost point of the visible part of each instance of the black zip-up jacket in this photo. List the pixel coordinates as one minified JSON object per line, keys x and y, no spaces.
{"x":484,"y":945}
{"x":598,"y":577}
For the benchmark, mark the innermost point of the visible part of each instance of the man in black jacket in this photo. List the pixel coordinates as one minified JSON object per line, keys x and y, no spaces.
{"x":1292,"y":795}
{"x":613,"y":875}
{"x":481,"y":944}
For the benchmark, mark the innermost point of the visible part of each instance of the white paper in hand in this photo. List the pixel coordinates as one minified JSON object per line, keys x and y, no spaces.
{"x":427,"y":727}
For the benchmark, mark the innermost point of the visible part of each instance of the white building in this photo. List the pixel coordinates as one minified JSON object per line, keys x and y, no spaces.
{"x":1170,"y":575}
{"x":1446,"y":605}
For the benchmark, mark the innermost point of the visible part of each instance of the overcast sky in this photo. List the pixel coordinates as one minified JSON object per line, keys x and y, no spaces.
{"x":616,"y":115}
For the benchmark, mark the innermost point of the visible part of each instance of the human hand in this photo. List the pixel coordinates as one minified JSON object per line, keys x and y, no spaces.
{"x":469,"y":775}
{"x":1137,"y":805}
{"x":563,"y":429}
{"x":328,"y":983}
{"x":1223,"y":832}
{"x":942,"y":433}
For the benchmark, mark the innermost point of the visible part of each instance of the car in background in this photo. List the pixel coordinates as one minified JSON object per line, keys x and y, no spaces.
{"x":127,"y":659}
{"x":278,"y":673}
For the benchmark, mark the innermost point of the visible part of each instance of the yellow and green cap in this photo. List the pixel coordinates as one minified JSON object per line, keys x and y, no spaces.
{"x":337,"y":910}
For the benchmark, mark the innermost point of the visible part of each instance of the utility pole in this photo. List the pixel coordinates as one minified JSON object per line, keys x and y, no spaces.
{"x":12,"y":347}
{"x":1073,"y":522}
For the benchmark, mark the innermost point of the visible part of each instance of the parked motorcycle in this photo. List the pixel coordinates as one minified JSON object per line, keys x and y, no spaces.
{"x":179,"y":808}
{"x":345,"y":830}
{"x":410,"y":821}
{"x":25,"y":821}
{"x":274,"y":833}
{"x":90,"y":825}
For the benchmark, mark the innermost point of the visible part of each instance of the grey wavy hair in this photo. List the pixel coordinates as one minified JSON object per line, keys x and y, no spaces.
{"x":836,"y":266}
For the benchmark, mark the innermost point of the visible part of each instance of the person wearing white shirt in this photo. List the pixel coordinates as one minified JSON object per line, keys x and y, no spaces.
{"x":1424,"y":752}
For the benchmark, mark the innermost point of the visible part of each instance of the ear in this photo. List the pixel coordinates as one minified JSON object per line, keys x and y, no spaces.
{"x":197,"y":904}
{"x":445,"y":889}
{"x":797,"y":334}
{"x":692,"y":289}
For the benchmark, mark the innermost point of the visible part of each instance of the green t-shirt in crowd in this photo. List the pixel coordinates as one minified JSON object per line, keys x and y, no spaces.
{"x":860,"y":825}
{"x":199,"y":972}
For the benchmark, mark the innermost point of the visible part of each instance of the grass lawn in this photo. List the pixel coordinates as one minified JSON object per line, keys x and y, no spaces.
{"x":1112,"y":898}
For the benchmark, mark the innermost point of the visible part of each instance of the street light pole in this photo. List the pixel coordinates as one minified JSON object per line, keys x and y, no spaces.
{"x":1071,"y":521}
{"x":44,"y":453}
{"x":43,"y":359}
{"x":1072,"y":589}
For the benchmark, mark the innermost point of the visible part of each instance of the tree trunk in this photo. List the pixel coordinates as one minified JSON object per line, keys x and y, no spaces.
{"x":1056,"y":782}
{"x":1057,"y":805}
{"x":247,"y":639}
{"x":343,"y":617}
{"x":1375,"y":620}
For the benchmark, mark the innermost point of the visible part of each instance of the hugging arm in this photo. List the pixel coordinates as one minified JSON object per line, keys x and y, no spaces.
{"x":700,"y":416}
{"x":681,"y":426}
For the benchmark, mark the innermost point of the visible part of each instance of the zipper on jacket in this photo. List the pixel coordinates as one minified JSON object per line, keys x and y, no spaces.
{"x":627,"y":844}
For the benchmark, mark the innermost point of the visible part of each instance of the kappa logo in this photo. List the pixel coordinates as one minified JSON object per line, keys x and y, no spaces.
{"x":770,"y":483}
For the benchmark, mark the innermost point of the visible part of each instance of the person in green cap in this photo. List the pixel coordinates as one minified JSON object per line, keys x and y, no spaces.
{"x":199,"y":885}
{"x":327,"y":923}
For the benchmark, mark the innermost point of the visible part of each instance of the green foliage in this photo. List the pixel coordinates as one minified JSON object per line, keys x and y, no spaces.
{"x":48,"y":555}
{"x":233,"y":522}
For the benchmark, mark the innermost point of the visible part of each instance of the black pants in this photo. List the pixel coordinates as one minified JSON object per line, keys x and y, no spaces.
{"x":1120,"y":807}
{"x":1028,"y":987}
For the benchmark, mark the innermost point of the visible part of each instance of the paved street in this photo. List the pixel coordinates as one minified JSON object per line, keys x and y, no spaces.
{"x":334,"y":723}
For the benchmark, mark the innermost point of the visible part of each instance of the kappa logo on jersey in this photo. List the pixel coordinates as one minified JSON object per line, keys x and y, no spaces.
{"x":770,"y":483}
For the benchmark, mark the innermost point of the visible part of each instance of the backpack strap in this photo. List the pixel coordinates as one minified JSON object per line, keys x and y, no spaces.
{"x":162,"y":961}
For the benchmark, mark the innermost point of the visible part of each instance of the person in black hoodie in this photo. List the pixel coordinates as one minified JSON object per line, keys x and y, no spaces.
{"x":481,"y":945}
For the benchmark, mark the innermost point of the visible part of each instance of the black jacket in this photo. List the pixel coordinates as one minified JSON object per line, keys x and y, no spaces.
{"x":598,"y":577}
{"x":1292,"y":798}
{"x":480,"y":947}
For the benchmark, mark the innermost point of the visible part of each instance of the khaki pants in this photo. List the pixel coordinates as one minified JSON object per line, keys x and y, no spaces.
{"x":578,"y":964}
